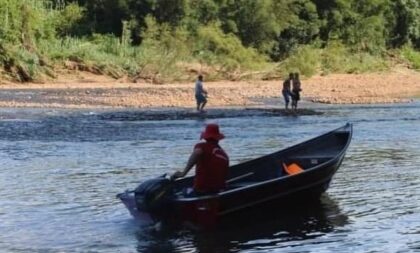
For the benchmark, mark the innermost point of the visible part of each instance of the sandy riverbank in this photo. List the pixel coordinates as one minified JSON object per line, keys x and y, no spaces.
{"x":91,"y":91}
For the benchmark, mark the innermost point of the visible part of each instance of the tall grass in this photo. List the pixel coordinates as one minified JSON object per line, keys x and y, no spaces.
{"x":162,"y":56}
{"x":412,"y":56}
{"x":304,"y":60}
{"x":336,"y":58}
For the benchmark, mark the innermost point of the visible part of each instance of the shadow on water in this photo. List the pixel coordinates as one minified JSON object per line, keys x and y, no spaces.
{"x":188,"y":114}
{"x":101,"y":126}
{"x":250,"y":230}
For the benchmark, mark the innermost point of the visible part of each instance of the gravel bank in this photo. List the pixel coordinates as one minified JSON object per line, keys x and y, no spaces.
{"x":90,"y":91}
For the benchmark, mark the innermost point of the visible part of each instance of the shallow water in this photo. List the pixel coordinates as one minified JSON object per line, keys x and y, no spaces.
{"x":60,"y":171}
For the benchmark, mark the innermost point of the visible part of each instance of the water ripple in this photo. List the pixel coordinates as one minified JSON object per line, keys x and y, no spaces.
{"x":60,"y":171}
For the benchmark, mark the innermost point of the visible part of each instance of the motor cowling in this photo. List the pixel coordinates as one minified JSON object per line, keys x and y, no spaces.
{"x":153,"y":196}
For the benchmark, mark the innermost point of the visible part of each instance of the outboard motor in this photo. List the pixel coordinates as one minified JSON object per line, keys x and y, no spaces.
{"x":153,"y":196}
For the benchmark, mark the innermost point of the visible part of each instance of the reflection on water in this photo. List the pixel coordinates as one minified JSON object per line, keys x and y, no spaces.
{"x":60,"y":172}
{"x":271,"y":227}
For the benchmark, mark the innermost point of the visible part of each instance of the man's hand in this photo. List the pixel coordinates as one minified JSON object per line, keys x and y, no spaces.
{"x":176,"y":175}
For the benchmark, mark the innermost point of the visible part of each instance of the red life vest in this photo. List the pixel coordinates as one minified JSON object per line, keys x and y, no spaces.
{"x":212,"y":168}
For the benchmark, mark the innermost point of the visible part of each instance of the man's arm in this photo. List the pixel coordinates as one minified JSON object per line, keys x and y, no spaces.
{"x":194,"y":157}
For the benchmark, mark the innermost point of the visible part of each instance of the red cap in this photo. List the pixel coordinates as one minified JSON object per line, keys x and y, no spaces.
{"x":212,"y":132}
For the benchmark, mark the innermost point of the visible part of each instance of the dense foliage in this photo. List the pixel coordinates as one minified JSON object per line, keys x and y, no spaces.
{"x":172,"y":39}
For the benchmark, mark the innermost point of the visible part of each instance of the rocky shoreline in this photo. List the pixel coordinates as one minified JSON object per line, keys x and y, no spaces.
{"x":91,"y":91}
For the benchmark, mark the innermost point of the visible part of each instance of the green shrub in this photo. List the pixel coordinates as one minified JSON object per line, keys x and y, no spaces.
{"x":305,"y":60}
{"x":26,"y":21}
{"x":412,"y":56}
{"x":23,"y":24}
{"x":161,"y":51}
{"x":67,"y":19}
{"x":365,"y":62}
{"x":337,"y":58}
{"x":334,"y":58}
{"x":213,"y":47}
{"x":20,"y":63}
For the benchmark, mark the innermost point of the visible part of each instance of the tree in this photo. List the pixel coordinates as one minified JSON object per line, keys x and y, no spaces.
{"x":254,"y":22}
{"x":360,"y":24}
{"x":406,"y":29}
{"x":303,"y":28}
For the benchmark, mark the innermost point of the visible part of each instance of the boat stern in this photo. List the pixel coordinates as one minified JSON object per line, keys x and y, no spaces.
{"x":128,"y":199}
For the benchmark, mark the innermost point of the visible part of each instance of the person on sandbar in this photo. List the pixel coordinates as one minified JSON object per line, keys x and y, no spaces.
{"x":211,"y":163}
{"x":200,"y":94}
{"x":296,"y":89}
{"x":286,"y":91}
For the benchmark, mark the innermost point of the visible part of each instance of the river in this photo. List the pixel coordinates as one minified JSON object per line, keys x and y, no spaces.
{"x":61,"y":169}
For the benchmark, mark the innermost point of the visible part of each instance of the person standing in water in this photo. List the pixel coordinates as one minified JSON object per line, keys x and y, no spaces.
{"x":286,"y":91}
{"x":296,"y":89}
{"x":200,"y":94}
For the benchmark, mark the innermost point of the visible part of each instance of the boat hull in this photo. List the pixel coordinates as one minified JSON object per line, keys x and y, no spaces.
{"x":259,"y":183}
{"x":209,"y":211}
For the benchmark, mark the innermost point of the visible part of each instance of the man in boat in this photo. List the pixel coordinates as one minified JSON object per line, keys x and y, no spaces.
{"x":200,"y":94}
{"x":286,"y":91}
{"x":211,"y":163}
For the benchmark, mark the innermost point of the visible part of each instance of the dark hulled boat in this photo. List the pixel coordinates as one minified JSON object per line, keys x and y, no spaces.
{"x":297,"y":173}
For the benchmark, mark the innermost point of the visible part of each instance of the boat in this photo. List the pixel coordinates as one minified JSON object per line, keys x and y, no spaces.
{"x":286,"y":177}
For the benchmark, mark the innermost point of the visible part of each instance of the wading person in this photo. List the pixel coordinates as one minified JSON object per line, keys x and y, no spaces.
{"x":211,"y":163}
{"x":200,"y":94}
{"x":286,"y":90}
{"x":296,"y":89}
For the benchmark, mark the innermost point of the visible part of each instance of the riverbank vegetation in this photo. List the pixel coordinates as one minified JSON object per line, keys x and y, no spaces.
{"x":173,"y":40}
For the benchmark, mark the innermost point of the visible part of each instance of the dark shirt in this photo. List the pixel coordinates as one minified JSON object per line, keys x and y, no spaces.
{"x":296,"y":85}
{"x":287,"y":84}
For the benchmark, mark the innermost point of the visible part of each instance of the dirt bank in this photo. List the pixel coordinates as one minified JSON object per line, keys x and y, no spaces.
{"x":91,"y":91}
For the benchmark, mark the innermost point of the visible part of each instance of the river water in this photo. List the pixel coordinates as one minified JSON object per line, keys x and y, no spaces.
{"x":60,"y":171}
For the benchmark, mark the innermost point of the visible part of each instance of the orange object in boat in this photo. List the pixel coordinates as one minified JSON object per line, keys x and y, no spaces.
{"x":292,"y":169}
